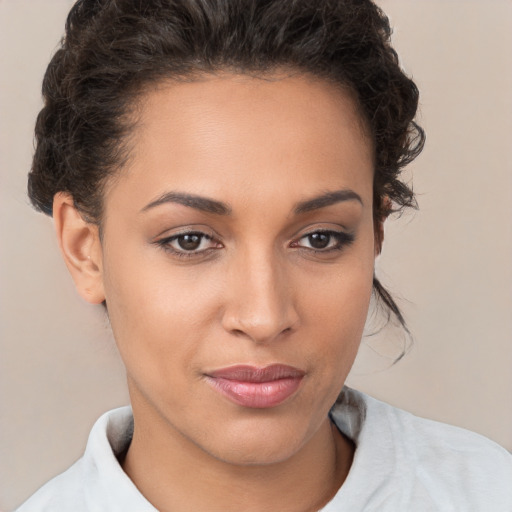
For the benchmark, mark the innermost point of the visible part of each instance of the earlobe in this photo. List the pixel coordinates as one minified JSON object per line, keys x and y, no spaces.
{"x":80,"y":246}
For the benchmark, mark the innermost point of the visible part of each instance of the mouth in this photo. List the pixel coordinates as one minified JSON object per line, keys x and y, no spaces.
{"x":253,"y":387}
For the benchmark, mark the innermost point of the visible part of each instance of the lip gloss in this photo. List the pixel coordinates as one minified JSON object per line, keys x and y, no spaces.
{"x":258,"y":388}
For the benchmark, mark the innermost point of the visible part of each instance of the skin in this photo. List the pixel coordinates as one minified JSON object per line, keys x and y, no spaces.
{"x":256,"y":292}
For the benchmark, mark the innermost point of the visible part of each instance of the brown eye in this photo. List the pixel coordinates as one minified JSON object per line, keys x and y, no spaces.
{"x":319,"y":240}
{"x":324,"y":241}
{"x":189,"y":242}
{"x":192,"y":243}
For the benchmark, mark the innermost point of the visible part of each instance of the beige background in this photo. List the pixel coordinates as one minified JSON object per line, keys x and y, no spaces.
{"x":451,"y":262}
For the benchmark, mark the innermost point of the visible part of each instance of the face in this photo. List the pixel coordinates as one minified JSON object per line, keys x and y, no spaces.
{"x":238,"y":253}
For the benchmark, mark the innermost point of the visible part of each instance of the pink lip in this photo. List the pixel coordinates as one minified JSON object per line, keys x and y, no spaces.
{"x":254,"y":387}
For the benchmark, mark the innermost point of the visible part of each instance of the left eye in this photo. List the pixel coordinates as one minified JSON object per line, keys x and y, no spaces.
{"x":324,"y":240}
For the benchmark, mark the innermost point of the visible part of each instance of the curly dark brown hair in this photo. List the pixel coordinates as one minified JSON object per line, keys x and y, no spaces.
{"x":113,"y":49}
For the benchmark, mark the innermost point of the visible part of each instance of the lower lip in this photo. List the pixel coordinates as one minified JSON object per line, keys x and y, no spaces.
{"x":257,"y":395}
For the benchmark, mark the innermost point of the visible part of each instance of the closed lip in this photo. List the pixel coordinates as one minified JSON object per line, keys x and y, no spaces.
{"x":248,"y":373}
{"x":256,"y":387}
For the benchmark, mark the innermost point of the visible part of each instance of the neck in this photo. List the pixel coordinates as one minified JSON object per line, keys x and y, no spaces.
{"x":176,"y":475}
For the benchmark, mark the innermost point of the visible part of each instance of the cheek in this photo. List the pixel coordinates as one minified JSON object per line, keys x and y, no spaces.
{"x":340,"y":317}
{"x":335,"y":309}
{"x":157,"y":313}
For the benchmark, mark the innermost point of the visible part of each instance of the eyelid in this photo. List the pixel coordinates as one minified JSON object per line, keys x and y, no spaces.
{"x":186,"y":229}
{"x":343,"y":238}
{"x":164,"y":242}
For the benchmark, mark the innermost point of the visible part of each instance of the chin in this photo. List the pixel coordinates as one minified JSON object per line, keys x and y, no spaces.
{"x":260,"y":453}
{"x":258,"y":443}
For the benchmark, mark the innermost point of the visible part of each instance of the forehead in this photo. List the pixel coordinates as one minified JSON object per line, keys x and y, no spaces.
{"x":238,"y":135}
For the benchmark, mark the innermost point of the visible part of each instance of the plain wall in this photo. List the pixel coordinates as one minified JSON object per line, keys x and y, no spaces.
{"x":449,"y":264}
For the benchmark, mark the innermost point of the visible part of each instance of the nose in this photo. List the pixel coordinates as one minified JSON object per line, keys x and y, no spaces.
{"x":260,"y":303}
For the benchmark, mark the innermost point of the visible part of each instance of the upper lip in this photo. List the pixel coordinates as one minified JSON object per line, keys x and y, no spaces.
{"x":248,"y":373}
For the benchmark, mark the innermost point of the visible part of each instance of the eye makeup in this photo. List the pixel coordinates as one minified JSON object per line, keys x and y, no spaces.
{"x":325,"y":240}
{"x":195,"y":243}
{"x":189,"y":244}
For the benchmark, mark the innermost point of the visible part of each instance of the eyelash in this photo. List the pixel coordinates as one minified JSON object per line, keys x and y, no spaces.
{"x":165,"y":244}
{"x":342,"y":239}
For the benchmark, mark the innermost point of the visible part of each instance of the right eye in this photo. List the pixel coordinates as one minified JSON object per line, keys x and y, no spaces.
{"x":188,"y":244}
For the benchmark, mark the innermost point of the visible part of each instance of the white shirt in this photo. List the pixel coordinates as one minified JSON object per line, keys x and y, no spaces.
{"x":401,"y":463}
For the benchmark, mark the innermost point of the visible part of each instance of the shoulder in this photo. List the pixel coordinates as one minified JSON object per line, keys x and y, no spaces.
{"x":438,"y":443}
{"x":424,"y":459}
{"x":97,"y":481}
{"x":59,"y":493}
{"x":455,"y":464}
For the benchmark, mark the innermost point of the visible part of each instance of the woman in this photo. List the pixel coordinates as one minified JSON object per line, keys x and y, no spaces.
{"x":219,"y":174}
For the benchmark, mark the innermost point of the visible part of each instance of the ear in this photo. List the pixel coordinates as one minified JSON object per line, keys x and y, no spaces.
{"x":80,"y":246}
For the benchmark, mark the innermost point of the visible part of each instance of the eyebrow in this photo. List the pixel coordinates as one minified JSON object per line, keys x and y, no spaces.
{"x":193,"y":201}
{"x":219,"y":208}
{"x":327,"y":199}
